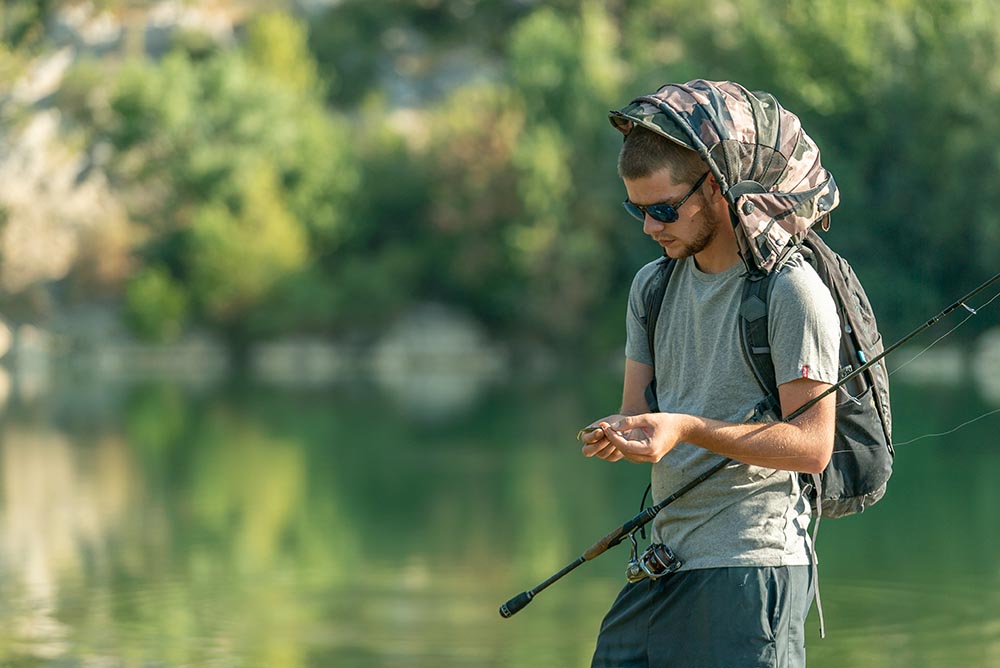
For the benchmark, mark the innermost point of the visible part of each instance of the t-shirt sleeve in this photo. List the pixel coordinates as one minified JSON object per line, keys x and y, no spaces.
{"x":803,"y":327}
{"x":636,"y":343}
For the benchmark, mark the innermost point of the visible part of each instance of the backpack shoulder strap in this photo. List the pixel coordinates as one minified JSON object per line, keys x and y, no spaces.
{"x":653,"y":302}
{"x":754,"y":308}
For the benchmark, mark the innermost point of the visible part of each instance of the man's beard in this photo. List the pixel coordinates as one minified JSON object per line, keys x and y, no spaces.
{"x":708,"y":229}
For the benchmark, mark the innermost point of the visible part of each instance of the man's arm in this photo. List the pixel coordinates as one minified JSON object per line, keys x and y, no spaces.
{"x":805,"y":444}
{"x":637,"y":378}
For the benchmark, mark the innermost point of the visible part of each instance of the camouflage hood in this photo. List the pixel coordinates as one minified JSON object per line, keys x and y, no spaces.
{"x":767,"y":166}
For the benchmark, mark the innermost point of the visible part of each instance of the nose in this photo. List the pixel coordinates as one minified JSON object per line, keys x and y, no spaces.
{"x":651,"y":225}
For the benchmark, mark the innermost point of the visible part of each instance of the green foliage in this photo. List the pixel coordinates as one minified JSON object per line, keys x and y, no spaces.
{"x":235,"y":166}
{"x":358,"y":43}
{"x":894,"y":97}
{"x":151,"y":105}
{"x":475,"y":201}
{"x":155,"y":305}
{"x":276,"y":45}
{"x":83,"y":94}
{"x":238,"y":256}
{"x":22,"y":22}
{"x":195,"y":44}
{"x":467,"y":157}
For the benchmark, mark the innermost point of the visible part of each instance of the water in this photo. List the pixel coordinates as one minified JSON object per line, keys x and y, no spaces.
{"x":158,"y":525}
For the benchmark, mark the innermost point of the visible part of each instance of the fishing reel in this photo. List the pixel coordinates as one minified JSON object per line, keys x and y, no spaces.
{"x":658,"y":560}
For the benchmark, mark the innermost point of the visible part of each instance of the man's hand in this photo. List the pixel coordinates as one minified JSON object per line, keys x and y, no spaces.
{"x":639,"y":438}
{"x":645,"y":438}
{"x":595,"y":440}
{"x":804,"y":444}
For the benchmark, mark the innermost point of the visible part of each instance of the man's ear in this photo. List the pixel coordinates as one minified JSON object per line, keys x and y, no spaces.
{"x":716,"y":199}
{"x":715,"y":189}
{"x":714,"y":184}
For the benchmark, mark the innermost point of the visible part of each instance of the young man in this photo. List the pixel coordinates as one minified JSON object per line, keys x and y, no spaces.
{"x":744,"y":590}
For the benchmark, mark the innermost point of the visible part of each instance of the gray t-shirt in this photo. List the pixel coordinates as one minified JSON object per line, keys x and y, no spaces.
{"x":743,"y":515}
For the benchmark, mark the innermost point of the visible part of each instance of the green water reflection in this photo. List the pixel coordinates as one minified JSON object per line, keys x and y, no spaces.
{"x":168,"y":526}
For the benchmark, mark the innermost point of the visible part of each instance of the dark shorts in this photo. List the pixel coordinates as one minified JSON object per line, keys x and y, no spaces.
{"x":711,"y":618}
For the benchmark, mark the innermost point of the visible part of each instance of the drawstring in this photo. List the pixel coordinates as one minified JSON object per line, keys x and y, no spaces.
{"x":813,"y":559}
{"x":642,"y":507}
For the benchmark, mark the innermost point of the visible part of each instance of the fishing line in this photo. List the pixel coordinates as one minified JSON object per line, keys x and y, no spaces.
{"x":951,"y":431}
{"x":972,"y":312}
{"x":617,"y":535}
{"x":912,"y":440}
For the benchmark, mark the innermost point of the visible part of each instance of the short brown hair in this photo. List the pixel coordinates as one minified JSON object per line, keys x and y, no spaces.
{"x":645,"y":152}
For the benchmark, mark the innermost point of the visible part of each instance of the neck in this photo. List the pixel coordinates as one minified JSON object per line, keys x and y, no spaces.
{"x":721,"y":254}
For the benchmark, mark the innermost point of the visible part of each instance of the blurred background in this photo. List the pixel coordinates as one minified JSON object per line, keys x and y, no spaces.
{"x":302,"y":303}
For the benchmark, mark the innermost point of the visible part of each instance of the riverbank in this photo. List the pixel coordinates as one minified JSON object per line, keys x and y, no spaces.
{"x":433,"y":360}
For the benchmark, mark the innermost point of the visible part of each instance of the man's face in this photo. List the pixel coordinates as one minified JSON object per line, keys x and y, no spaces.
{"x":695,"y":228}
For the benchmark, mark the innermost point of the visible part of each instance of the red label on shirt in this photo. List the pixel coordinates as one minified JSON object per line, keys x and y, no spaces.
{"x":805,"y":370}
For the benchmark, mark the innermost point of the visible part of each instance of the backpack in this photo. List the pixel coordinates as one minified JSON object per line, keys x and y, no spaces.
{"x":861,"y":464}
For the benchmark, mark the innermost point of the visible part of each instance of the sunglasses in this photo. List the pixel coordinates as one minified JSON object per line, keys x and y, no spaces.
{"x":663,"y":212}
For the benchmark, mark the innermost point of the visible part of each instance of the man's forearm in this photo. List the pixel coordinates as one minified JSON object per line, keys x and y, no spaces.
{"x":803,"y":445}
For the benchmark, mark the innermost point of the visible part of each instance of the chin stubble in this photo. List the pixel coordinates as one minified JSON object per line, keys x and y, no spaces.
{"x":707,"y":231}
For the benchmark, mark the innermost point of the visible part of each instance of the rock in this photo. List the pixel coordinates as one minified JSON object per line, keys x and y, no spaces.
{"x":936,"y":366}
{"x":166,"y":18}
{"x":32,"y":353}
{"x":81,"y":26}
{"x":986,"y":364}
{"x":43,"y":77}
{"x":196,"y":360}
{"x":52,"y":217}
{"x":436,"y":361}
{"x":298,"y":362}
{"x":6,"y":339}
{"x":5,"y":388}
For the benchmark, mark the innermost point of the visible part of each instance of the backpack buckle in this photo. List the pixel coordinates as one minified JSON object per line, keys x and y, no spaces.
{"x":766,"y":410}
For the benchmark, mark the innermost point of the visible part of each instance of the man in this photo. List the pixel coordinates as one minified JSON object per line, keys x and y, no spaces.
{"x":722,"y":179}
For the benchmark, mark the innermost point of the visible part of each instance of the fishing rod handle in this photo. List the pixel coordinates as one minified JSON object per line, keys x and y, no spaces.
{"x":514,"y":605}
{"x":618,"y":535}
{"x":606,"y":543}
{"x":524,"y":598}
{"x":647,"y":515}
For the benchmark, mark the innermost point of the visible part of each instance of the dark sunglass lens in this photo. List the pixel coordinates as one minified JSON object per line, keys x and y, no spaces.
{"x":633,"y":210}
{"x":664,"y":213}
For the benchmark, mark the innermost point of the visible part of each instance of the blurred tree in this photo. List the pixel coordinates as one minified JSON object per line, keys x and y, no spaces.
{"x":897,"y":96}
{"x":566,"y":241}
{"x":235,"y":166}
{"x":468,"y":158}
{"x":22,"y":22}
{"x":156,"y":305}
{"x":361,"y":46}
{"x":238,"y":254}
{"x":276,"y":45}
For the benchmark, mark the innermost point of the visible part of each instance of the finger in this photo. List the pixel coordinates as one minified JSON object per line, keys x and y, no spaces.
{"x":638,"y":458}
{"x":615,"y":438}
{"x":633,"y":450}
{"x":632,"y":422}
{"x":591,"y":449}
{"x":607,"y":453}
{"x":607,"y":428}
{"x":590,"y":434}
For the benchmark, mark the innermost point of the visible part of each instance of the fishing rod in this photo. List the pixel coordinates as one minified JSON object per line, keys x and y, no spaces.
{"x":616,"y":536}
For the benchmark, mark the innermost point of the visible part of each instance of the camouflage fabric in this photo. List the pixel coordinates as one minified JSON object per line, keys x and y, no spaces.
{"x":768,"y":167}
